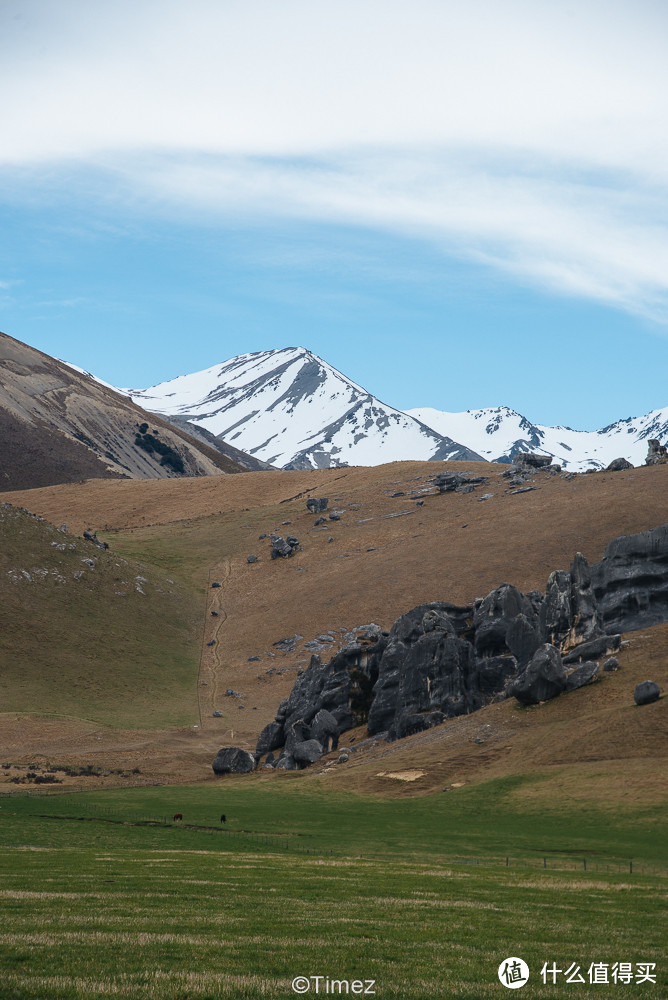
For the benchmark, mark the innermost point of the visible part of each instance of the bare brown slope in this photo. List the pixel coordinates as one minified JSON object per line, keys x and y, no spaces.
{"x":58,"y":425}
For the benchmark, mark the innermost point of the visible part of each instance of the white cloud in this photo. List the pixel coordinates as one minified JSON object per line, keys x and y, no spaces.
{"x":526,"y":134}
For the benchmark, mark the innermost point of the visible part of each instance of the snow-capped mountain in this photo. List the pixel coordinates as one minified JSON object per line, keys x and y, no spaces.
{"x":290,"y":408}
{"x":500,"y":433}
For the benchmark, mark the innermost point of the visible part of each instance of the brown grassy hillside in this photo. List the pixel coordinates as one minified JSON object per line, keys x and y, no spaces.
{"x":387,"y":555}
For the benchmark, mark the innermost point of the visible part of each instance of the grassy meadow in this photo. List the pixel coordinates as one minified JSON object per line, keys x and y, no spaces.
{"x":103,"y":895}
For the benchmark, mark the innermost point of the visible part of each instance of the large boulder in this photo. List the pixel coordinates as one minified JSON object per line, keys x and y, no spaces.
{"x":618,"y":465}
{"x":234,"y":760}
{"x":544,"y":678}
{"x":532,"y":460}
{"x":592,"y":649}
{"x":646,"y":692}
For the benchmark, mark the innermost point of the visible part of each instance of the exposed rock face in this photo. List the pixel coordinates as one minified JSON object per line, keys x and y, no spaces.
{"x":657,"y":453}
{"x":646,"y":692}
{"x":233,"y":760}
{"x":630,"y":583}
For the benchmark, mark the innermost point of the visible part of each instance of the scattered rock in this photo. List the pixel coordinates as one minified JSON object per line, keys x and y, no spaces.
{"x":330,"y":539}
{"x":233,"y":760}
{"x":283,"y":547}
{"x":399,"y":493}
{"x":231,"y":693}
{"x":215,"y":584}
{"x":92,"y":537}
{"x":319,"y":521}
{"x":254,"y":659}
{"x":251,"y":559}
{"x":211,"y":642}
{"x":646,"y":692}
{"x":217,"y":715}
{"x":214,"y":614}
{"x":611,"y":664}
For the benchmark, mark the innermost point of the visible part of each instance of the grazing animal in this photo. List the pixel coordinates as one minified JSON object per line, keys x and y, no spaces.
{"x":223,"y":818}
{"x":177,"y":816}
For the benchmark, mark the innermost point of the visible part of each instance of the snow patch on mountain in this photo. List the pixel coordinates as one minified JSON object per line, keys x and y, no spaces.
{"x":294,"y":410}
{"x":499,"y":433}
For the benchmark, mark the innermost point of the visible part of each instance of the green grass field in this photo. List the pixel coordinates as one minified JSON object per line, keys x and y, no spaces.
{"x":100,"y":898}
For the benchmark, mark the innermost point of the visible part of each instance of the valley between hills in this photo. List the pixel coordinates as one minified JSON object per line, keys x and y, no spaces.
{"x":124,"y":666}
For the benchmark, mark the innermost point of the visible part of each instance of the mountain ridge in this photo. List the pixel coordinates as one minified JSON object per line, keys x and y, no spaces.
{"x":264,"y":401}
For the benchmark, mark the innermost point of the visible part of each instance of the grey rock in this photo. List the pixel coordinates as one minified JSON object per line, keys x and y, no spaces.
{"x":217,"y":715}
{"x":286,"y":762}
{"x":231,"y":693}
{"x":271,"y":738}
{"x":592,"y":649}
{"x":260,"y":537}
{"x":587,"y":620}
{"x":342,"y":758}
{"x":215,"y":584}
{"x":544,"y":678}
{"x":317,"y":504}
{"x":532,"y":460}
{"x":325,"y":730}
{"x":399,"y":493}
{"x":646,"y":692}
{"x":631,"y":581}
{"x":307,"y":752}
{"x":233,"y":760}
{"x":254,"y":659}
{"x":611,"y":664}
{"x":251,"y":559}
{"x":92,"y":537}
{"x":330,"y":539}
{"x":586,"y":673}
{"x":211,"y":642}
{"x":334,"y":516}
{"x":280,"y":548}
{"x":319,"y":521}
{"x":618,"y":465}
{"x":63,"y":528}
{"x":657,"y":453}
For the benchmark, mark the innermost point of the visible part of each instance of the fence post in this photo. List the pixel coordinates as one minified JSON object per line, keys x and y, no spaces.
{"x":585,"y":863}
{"x":630,"y":868}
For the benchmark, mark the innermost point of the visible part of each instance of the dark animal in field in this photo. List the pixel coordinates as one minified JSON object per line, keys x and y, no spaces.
{"x":177,"y":816}
{"x":223,"y":818}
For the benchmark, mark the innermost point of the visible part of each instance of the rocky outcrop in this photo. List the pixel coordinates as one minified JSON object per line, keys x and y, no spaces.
{"x":441,"y":660}
{"x":630,"y":584}
{"x":317,"y":504}
{"x":283,"y":547}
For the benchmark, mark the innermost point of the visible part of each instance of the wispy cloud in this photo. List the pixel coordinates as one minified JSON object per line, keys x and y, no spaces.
{"x":529,"y":136}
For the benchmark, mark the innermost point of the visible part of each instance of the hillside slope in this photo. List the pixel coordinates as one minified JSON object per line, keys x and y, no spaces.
{"x":61,"y":425}
{"x":387,"y":555}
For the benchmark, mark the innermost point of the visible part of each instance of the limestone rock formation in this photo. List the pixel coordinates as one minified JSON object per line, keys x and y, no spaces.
{"x":630,"y":583}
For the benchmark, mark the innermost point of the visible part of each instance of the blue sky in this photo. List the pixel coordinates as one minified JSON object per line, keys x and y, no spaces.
{"x":456,"y":205}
